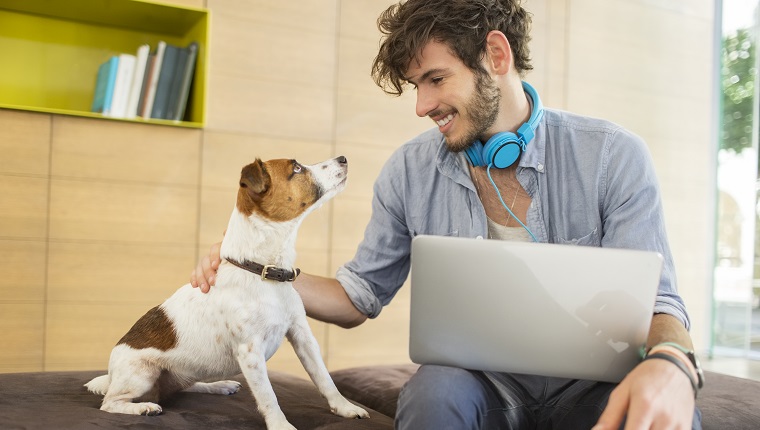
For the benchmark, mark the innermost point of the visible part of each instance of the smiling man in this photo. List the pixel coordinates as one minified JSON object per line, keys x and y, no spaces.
{"x":492,"y":138}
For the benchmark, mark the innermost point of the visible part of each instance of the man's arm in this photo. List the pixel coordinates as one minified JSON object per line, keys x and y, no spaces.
{"x":324,"y":298}
{"x":656,"y":393}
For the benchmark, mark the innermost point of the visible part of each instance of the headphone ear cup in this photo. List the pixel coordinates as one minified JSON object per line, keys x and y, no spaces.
{"x":474,"y":154}
{"x":505,"y":155}
{"x":502,"y":150}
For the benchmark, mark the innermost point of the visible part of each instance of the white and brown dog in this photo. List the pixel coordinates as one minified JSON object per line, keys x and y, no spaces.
{"x":194,"y":337}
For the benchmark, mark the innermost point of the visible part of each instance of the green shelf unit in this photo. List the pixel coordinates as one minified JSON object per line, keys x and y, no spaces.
{"x":51,"y":50}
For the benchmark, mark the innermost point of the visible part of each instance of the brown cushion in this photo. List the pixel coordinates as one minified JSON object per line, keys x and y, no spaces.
{"x":726,"y":402}
{"x":374,"y":386}
{"x":58,"y":400}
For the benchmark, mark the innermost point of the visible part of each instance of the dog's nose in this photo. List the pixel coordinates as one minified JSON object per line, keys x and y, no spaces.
{"x":342,"y":160}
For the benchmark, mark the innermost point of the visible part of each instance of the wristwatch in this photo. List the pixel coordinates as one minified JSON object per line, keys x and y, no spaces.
{"x":692,"y":358}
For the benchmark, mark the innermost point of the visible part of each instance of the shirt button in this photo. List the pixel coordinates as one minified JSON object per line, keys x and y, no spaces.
{"x":540,"y":167}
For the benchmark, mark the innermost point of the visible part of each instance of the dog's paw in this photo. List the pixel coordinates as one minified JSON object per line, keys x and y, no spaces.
{"x":149,"y":409}
{"x":346,"y":409}
{"x":218,"y":387}
{"x":227,"y":387}
{"x":124,"y":407}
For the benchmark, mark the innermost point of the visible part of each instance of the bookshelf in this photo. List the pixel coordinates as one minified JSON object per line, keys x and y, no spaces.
{"x":52,"y":49}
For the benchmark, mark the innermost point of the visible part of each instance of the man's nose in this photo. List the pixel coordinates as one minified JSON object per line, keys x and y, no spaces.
{"x":425,"y":102}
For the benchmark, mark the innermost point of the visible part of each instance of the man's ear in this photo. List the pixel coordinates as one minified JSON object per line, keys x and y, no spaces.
{"x":498,"y":53}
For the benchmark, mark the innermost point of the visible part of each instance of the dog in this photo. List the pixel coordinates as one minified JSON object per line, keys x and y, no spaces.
{"x":193,"y":337}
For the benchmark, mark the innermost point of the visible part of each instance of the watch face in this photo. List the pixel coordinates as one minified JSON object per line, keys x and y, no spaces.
{"x":700,"y":373}
{"x":698,"y":367}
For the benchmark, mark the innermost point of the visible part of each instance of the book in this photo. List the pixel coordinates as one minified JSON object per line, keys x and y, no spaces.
{"x":152,"y":83}
{"x":124,"y":74}
{"x":183,"y":80}
{"x":165,"y":78}
{"x":135,"y":88}
{"x":146,"y":82}
{"x":104,"y":84}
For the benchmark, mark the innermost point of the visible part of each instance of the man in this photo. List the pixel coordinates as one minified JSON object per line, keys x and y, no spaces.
{"x":579,"y":181}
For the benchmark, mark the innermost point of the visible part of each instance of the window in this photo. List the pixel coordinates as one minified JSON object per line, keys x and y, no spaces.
{"x":736,"y":316}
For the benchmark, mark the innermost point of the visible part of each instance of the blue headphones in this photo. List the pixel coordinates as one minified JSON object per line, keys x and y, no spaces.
{"x":504,"y":148}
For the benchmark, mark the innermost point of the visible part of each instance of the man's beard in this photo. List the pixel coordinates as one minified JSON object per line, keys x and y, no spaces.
{"x":482,"y":110}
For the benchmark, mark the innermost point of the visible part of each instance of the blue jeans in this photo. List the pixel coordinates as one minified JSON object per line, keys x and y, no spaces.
{"x":439,"y":397}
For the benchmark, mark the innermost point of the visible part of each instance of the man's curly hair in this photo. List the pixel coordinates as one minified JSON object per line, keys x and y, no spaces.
{"x":461,"y":24}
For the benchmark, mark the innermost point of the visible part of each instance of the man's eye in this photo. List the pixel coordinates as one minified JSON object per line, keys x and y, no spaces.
{"x":436,"y":81}
{"x":297,"y":168}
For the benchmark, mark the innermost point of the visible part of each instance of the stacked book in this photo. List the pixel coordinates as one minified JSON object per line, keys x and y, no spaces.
{"x":148,"y":84}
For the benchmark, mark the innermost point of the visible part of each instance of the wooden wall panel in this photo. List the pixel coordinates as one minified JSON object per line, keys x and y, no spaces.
{"x":21,"y":334}
{"x":23,"y":207}
{"x":113,"y":211}
{"x":80,"y":336}
{"x":120,"y":151}
{"x":261,"y":90}
{"x":117,"y":272}
{"x":309,"y":16}
{"x":271,"y":108}
{"x":266,"y":51}
{"x":364,"y":165}
{"x":375,"y":118}
{"x":25,"y":143}
{"x":225,"y":154}
{"x":350,"y":218}
{"x":22,"y":263}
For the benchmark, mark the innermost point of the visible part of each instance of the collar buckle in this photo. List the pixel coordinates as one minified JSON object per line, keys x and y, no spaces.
{"x":265,"y":271}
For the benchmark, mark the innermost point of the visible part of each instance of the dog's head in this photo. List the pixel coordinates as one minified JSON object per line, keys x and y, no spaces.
{"x":283,"y":190}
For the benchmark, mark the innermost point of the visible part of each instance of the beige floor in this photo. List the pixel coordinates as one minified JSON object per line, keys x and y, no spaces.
{"x":741,"y":367}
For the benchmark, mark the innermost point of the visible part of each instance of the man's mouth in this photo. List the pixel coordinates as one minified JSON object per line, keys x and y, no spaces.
{"x":445,"y":120}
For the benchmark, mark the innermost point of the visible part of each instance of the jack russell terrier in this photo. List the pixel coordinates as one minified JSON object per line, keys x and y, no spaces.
{"x":194,"y":337}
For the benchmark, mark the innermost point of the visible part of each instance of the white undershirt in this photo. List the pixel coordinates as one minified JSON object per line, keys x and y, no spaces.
{"x":498,"y":231}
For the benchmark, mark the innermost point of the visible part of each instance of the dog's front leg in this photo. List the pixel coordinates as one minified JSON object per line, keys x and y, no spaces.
{"x":307,"y":350}
{"x":253,"y":365}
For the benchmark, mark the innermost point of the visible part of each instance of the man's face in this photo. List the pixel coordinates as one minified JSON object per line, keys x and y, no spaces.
{"x":463,"y":104}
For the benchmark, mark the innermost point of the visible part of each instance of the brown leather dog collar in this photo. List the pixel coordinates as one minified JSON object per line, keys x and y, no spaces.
{"x":268,"y":271}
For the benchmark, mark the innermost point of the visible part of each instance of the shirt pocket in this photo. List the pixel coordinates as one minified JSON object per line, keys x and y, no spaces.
{"x":590,"y":239}
{"x":452,"y":233}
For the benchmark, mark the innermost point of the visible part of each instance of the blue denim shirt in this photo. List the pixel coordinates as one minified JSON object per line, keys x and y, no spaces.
{"x":592,"y":183}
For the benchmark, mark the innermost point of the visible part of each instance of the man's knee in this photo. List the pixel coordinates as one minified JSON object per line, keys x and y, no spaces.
{"x":439,"y":384}
{"x":442,"y":397}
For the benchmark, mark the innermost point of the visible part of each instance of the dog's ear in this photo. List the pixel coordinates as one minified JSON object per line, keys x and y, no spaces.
{"x":255,"y":178}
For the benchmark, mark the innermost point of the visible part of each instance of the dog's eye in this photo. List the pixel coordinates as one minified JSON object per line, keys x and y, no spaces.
{"x":297,"y":168}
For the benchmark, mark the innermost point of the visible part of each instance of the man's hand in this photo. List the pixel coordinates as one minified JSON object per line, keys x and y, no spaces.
{"x":204,"y":275}
{"x":656,"y":394}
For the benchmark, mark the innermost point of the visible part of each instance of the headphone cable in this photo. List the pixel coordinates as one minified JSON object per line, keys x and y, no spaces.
{"x":498,"y":193}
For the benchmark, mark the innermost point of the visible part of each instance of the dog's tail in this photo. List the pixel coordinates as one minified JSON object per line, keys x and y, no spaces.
{"x":99,"y":385}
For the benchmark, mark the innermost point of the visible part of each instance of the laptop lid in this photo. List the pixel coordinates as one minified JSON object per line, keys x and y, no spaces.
{"x":544,"y":309}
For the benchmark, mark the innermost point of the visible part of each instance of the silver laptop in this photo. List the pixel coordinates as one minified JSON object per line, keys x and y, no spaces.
{"x":540,"y":309}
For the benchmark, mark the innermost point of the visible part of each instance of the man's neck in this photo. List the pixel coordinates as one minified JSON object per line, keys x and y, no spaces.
{"x":514,"y":109}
